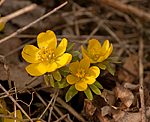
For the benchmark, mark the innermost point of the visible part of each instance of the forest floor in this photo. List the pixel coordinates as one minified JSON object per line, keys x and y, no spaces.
{"x":125,"y":96}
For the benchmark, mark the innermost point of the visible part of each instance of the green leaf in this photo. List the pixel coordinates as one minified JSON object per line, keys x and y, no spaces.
{"x":57,"y":75}
{"x":88,"y":94}
{"x":75,"y":56}
{"x":95,"y":89}
{"x":76,"y":53}
{"x":101,"y":66}
{"x":51,"y":80}
{"x":63,"y":83}
{"x":46,"y":79}
{"x":97,"y":84}
{"x":70,"y":93}
{"x":110,"y":69}
{"x":70,"y":47}
{"x":64,"y":71}
{"x":113,"y":60}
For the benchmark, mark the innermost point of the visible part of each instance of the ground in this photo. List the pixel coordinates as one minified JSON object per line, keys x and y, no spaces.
{"x":125,"y":95}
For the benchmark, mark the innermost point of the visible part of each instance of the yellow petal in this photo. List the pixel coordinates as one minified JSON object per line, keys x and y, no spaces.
{"x":84,"y":64}
{"x":105,"y":47}
{"x":63,"y":60}
{"x":47,"y":39}
{"x":30,"y":54}
{"x":109,"y":51}
{"x":2,"y":25}
{"x":61,"y":47}
{"x":52,"y":66}
{"x":93,"y":45}
{"x":71,"y":79}
{"x":81,"y":86}
{"x":90,"y":80}
{"x":36,"y":69}
{"x":93,"y":71}
{"x":84,"y":52}
{"x":74,"y":67}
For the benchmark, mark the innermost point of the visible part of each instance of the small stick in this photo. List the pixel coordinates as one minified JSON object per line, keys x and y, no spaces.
{"x":17,"y":13}
{"x":126,"y":8}
{"x":61,"y":118}
{"x":1,"y":2}
{"x":141,"y":88}
{"x":50,"y":102}
{"x":32,"y":23}
{"x":55,"y":108}
{"x":52,"y":106}
{"x":70,"y":109}
{"x":7,"y":93}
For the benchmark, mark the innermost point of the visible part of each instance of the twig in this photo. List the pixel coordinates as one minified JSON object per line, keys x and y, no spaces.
{"x":1,"y":2}
{"x":47,"y":107}
{"x":17,"y":13}
{"x":70,"y":109}
{"x":52,"y":106}
{"x":141,"y":88}
{"x":55,"y":108}
{"x":6,"y":92}
{"x":32,"y":23}
{"x":61,"y":118}
{"x":126,"y":8}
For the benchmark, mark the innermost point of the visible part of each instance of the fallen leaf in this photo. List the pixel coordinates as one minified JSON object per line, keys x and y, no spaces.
{"x":106,"y":110}
{"x":89,"y":108}
{"x":131,"y":65}
{"x":21,"y":77}
{"x":125,"y":95}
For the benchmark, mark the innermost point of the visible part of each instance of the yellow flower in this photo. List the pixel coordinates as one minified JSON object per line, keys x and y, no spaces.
{"x":82,"y":74}
{"x":48,"y":57}
{"x":2,"y":25}
{"x":97,"y":53}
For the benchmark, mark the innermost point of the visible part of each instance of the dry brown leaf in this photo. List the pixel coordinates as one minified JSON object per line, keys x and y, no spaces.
{"x":89,"y":108}
{"x":106,"y":110}
{"x":125,"y":95}
{"x":21,"y":77}
{"x":122,"y":116}
{"x":109,"y":97}
{"x":131,"y":64}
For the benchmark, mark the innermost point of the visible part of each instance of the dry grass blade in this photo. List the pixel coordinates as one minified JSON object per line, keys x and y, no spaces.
{"x":127,"y":9}
{"x":141,"y":88}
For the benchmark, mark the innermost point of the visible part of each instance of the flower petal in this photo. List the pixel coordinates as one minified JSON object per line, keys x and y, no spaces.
{"x":71,"y":79}
{"x":90,"y":80}
{"x":47,"y":39}
{"x":81,"y":86}
{"x":30,"y":54}
{"x":63,"y":60}
{"x":52,"y":66}
{"x":36,"y":69}
{"x":84,"y":52}
{"x":93,"y":71}
{"x":109,"y":51}
{"x":93,"y":45}
{"x":61,"y":47}
{"x":104,"y":47}
{"x":84,"y":64}
{"x":74,"y":67}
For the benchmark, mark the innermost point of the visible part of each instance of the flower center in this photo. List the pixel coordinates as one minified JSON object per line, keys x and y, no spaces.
{"x":80,"y":73}
{"x":96,"y":57}
{"x":46,"y":54}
